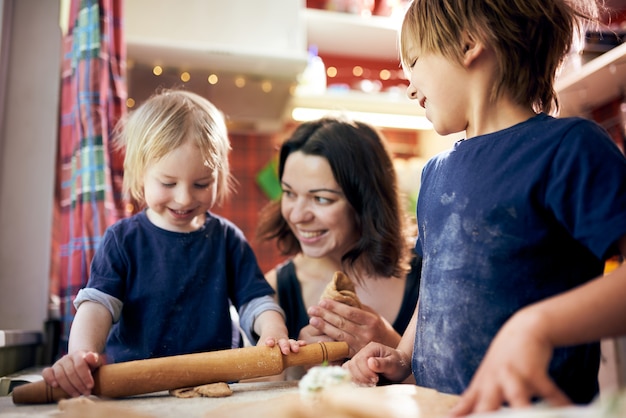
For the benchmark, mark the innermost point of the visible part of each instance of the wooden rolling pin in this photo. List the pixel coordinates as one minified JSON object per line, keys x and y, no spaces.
{"x":153,"y":375}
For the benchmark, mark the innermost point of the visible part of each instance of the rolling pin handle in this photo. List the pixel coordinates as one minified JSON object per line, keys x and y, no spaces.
{"x":37,"y":393}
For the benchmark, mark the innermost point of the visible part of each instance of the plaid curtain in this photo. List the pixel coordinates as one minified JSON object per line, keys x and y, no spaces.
{"x":88,"y":188}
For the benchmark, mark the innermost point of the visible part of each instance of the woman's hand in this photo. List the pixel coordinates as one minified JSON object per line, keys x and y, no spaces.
{"x":73,"y":372}
{"x":355,"y":326}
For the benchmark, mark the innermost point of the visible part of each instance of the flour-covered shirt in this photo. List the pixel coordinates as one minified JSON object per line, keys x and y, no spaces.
{"x":507,"y":219}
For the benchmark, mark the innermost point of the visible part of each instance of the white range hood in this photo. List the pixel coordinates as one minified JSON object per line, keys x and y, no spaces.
{"x":257,"y":49}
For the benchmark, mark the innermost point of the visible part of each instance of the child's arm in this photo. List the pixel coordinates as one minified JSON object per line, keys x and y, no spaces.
{"x":515,"y":367}
{"x":271,"y":328}
{"x":90,"y":329}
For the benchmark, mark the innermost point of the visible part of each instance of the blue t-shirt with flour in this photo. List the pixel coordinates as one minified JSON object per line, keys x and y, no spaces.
{"x":507,"y":219}
{"x":175,"y":287}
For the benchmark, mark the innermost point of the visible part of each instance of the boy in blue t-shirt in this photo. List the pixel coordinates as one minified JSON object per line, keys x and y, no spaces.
{"x":515,"y":221}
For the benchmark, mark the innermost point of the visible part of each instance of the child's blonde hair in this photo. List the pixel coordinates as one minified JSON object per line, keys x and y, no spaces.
{"x":165,"y":121}
{"x":530,"y":39}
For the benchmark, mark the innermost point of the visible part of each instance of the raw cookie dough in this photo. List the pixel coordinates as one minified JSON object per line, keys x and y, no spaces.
{"x":211,"y":390}
{"x":342,"y":290}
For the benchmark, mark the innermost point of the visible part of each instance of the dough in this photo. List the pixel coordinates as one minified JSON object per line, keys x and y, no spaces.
{"x":322,"y":378}
{"x":65,"y":404}
{"x":342,"y":290}
{"x":82,"y":407}
{"x":214,"y":390}
{"x":211,"y":390}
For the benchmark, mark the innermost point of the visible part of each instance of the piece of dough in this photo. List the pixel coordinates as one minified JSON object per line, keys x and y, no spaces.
{"x":184,"y":393}
{"x":342,"y":290}
{"x":84,"y":407}
{"x":211,"y":390}
{"x":65,"y":404}
{"x":214,"y":390}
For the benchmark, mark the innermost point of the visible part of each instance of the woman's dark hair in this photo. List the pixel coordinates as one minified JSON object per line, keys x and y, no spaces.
{"x":363,"y":168}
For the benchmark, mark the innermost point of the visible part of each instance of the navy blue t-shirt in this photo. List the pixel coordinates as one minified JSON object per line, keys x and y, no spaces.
{"x":175,"y":287}
{"x":505,"y":220}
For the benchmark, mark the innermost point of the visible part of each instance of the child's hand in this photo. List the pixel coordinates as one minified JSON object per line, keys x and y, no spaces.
{"x":72,"y":372}
{"x":287,"y":345}
{"x":377,"y":359}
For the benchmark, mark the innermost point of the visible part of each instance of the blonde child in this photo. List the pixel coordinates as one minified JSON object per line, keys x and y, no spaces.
{"x":163,"y":280}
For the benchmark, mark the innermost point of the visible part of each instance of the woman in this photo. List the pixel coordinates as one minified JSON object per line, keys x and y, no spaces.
{"x":341,"y":211}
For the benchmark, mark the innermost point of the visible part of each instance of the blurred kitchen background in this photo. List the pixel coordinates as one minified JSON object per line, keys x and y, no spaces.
{"x":267,"y":65}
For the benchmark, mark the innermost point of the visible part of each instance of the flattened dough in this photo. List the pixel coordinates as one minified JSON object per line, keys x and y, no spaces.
{"x":211,"y":390}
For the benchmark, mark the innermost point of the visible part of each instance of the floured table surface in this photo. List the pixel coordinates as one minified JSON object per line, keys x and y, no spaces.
{"x":394,"y":401}
{"x":256,"y":399}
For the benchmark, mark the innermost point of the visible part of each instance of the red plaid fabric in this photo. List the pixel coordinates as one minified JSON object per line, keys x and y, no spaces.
{"x":88,"y":192}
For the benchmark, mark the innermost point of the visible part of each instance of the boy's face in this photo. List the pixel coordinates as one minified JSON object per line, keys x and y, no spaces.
{"x":440,"y":86}
{"x":179,"y":189}
{"x":314,"y":206}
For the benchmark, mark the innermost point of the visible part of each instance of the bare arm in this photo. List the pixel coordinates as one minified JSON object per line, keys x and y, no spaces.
{"x":271,"y":328}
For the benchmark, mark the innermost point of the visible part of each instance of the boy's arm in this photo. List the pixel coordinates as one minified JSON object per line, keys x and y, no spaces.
{"x":90,"y":328}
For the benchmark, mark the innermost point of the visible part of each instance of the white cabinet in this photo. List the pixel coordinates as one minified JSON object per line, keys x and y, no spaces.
{"x":595,"y":83}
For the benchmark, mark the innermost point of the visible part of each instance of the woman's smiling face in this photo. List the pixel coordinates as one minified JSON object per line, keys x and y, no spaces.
{"x":314,"y":206}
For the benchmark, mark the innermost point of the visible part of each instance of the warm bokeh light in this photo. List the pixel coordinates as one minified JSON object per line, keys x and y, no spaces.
{"x":157,"y":70}
{"x":384,"y":74}
{"x":240,"y":82}
{"x":357,"y":71}
{"x":213,"y":79}
{"x":185,"y":77}
{"x":266,"y":86}
{"x":331,"y":72}
{"x":130,"y":103}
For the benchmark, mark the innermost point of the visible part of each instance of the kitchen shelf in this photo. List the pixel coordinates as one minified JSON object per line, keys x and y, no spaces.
{"x":350,"y":35}
{"x":595,"y":83}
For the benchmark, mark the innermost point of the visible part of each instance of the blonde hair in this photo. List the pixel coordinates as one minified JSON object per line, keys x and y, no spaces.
{"x":164,"y":122}
{"x":530,"y":39}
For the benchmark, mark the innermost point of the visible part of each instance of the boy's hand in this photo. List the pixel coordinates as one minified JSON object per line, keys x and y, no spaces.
{"x":376,"y":359}
{"x":72,"y":372}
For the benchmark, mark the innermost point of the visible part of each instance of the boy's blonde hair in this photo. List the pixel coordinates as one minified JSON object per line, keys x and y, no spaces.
{"x":530,"y":39}
{"x":165,"y":121}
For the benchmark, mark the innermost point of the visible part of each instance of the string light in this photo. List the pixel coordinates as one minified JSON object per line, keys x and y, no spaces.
{"x":266,"y":86}
{"x":240,"y":82}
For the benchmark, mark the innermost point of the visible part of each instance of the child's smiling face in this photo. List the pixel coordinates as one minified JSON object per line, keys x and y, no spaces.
{"x":440,"y":86}
{"x":179,"y":189}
